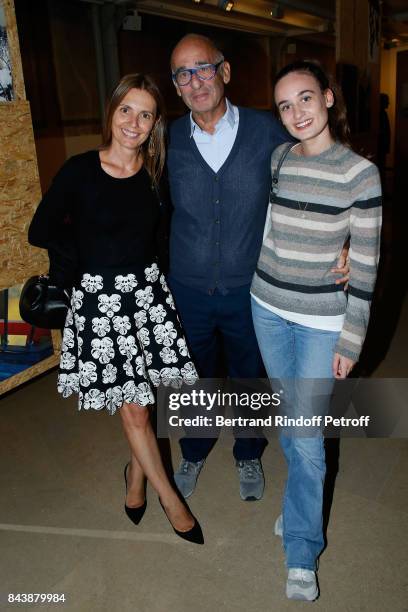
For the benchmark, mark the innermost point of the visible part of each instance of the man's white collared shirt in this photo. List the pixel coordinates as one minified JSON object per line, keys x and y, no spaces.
{"x":216,"y":147}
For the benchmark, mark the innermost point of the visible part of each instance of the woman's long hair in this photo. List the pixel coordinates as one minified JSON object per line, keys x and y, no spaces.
{"x":153,"y":149}
{"x":338,"y":124}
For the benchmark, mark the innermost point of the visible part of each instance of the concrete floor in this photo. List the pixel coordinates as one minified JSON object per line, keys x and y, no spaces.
{"x":63,"y":529}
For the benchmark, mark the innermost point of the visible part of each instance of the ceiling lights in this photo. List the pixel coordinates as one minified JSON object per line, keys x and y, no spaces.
{"x":226,"y":5}
{"x":276,"y":11}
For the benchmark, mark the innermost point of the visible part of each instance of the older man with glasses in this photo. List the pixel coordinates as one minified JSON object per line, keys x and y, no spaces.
{"x":219,"y":172}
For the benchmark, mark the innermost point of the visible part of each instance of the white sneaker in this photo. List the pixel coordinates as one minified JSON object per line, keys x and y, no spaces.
{"x":278,"y":529}
{"x":301,"y":584}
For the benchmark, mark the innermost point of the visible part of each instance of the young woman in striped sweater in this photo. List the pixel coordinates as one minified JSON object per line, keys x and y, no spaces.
{"x":306,"y":325}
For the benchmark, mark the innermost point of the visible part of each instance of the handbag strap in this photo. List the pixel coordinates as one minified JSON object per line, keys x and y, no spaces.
{"x":275,"y":174}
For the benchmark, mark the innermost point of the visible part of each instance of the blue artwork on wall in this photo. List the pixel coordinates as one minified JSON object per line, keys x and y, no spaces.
{"x":6,"y":79}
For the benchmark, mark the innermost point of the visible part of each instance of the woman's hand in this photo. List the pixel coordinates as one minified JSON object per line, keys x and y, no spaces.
{"x":342,"y":366}
{"x":343,"y":267}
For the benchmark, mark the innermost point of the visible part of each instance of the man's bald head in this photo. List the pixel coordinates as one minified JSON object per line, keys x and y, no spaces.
{"x":196,"y":41}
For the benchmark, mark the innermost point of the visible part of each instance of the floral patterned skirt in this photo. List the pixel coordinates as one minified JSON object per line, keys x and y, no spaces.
{"x":122,"y":338}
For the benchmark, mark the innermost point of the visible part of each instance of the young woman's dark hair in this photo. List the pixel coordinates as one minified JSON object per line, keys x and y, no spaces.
{"x":338,"y":123}
{"x":154,"y":149}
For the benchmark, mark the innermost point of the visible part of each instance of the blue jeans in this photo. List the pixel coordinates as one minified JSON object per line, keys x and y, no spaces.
{"x":293,"y":351}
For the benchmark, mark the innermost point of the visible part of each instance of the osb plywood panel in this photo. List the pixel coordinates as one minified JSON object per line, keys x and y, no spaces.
{"x":19,"y":195}
{"x":14,"y":49}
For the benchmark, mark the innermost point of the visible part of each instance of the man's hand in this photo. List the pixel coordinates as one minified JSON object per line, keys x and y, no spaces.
{"x":342,"y":366}
{"x":343,"y":267}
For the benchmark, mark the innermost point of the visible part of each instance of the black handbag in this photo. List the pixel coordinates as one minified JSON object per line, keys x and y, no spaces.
{"x":43,"y":304}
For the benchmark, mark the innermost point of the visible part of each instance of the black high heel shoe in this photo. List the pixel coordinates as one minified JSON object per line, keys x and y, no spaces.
{"x":135,"y":514}
{"x":194,"y":535}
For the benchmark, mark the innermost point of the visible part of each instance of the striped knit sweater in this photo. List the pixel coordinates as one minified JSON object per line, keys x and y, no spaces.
{"x":321,"y":201}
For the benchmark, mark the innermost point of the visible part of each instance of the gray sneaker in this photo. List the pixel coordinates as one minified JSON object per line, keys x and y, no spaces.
{"x":301,"y":584}
{"x":186,"y":476}
{"x":251,"y":479}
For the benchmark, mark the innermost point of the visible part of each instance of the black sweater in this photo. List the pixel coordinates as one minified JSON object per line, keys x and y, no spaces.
{"x":89,"y":220}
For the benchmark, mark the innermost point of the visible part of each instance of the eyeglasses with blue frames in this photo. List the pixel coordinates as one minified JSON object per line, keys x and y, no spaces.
{"x":205,"y":72}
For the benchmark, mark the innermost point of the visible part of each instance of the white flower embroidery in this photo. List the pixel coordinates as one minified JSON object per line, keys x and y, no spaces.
{"x":127,"y":366}
{"x":92,"y":284}
{"x":67,"y":340}
{"x":121,"y":324}
{"x":189,"y":373}
{"x":143,"y":335}
{"x":69,"y":318}
{"x":165,"y":334}
{"x":125,"y":283}
{"x":102,"y":349}
{"x":144,"y":297}
{"x":168,"y":355}
{"x":94,"y":399}
{"x":140,"y":318}
{"x":113,"y":399}
{"x":76,"y":299}
{"x":101,"y":326}
{"x":170,"y":301}
{"x":129,"y":391}
{"x":67,"y":361}
{"x":154,"y":376}
{"x":109,"y":374}
{"x":163,"y":283}
{"x":79,"y":322}
{"x":152,"y":273}
{"x":144,"y":394}
{"x":87,"y":373}
{"x":80,"y":344}
{"x":171,"y":376}
{"x":109,"y":304}
{"x":68,"y":384}
{"x":127,"y":346}
{"x":157,"y":314}
{"x":182,"y":347}
{"x":148,"y":357}
{"x":140,"y":366}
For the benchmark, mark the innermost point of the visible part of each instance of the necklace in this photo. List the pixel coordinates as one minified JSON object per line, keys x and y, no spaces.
{"x":302,"y":206}
{"x":303,"y":210}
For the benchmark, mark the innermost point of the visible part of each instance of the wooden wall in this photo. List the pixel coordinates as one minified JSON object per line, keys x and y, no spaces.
{"x":19,"y":190}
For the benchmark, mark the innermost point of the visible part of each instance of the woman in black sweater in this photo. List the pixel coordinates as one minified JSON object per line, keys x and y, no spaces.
{"x":100,"y":221}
